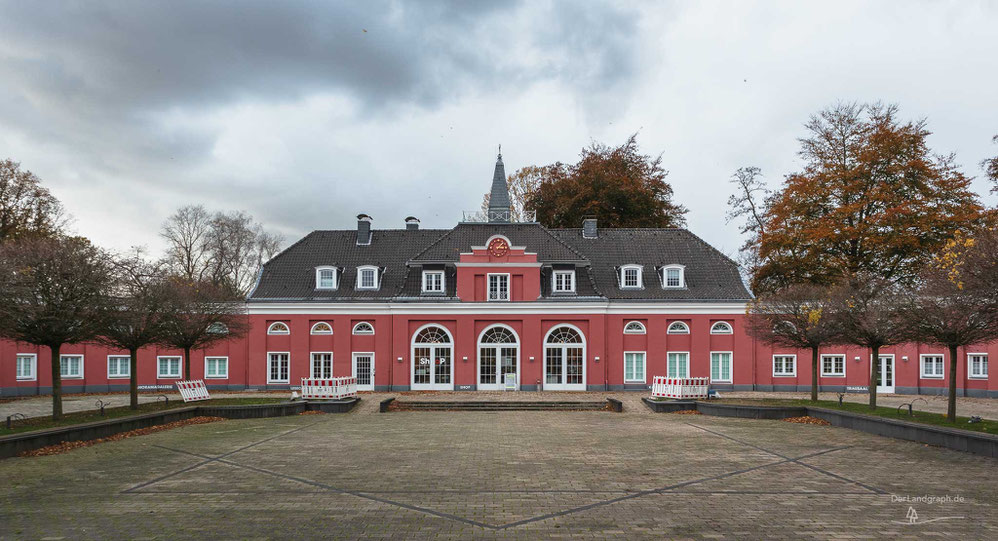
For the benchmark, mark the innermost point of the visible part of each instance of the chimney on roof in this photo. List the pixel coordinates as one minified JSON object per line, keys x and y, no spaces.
{"x":589,"y":230}
{"x":499,"y":202}
{"x":412,"y":222}
{"x":363,"y":229}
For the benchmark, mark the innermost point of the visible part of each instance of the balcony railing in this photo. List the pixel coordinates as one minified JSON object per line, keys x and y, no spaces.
{"x":501,"y":216}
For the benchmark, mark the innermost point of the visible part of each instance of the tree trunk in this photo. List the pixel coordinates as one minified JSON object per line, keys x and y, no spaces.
{"x":187,"y":363}
{"x":951,"y":407}
{"x":133,"y":381}
{"x":814,"y":373}
{"x":56,"y":383}
{"x":874,"y":376}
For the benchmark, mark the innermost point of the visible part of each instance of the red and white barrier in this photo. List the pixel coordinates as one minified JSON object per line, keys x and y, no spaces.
{"x":193,"y":390}
{"x":328,"y":388}
{"x":681,"y":388}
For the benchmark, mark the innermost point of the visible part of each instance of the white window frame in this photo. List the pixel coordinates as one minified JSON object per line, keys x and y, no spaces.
{"x":665,"y":276}
{"x":82,"y":371}
{"x":644,"y":367}
{"x":442,"y":287}
{"x":623,"y":277}
{"x":686,"y":364}
{"x":571,"y":281}
{"x":641,"y":330}
{"x":713,"y":328}
{"x":921,"y":366}
{"x":686,"y":328}
{"x":159,"y":367}
{"x":128,"y":367}
{"x":793,"y":365}
{"x":311,"y":364}
{"x":825,"y":374}
{"x":983,"y":374}
{"x":33,"y":365}
{"x":272,"y":331}
{"x":731,"y":367}
{"x":216,"y":358}
{"x":318,"y":277}
{"x":321,"y":333}
{"x":488,"y":286}
{"x":363,"y":333}
{"x":360,"y":274}
{"x":270,"y":360}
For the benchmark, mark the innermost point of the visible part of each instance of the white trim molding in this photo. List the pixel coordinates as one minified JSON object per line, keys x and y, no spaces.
{"x":487,"y":308}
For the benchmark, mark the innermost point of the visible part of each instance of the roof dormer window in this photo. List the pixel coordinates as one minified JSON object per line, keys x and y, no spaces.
{"x":325,"y":277}
{"x":673,"y":277}
{"x":433,"y":281}
{"x":367,"y":277}
{"x":630,"y":277}
{"x":563,"y":281}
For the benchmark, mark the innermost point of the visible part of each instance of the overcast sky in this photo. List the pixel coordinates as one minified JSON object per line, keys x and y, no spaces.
{"x":305,"y":114}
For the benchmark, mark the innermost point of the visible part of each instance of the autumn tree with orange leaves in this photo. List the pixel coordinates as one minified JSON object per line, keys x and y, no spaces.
{"x":872,"y":198}
{"x":619,"y":186}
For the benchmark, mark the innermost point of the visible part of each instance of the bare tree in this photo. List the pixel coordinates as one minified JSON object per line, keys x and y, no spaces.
{"x":991,"y":168}
{"x":225,"y":249}
{"x":53,"y":292}
{"x":139,"y":314}
{"x":799,"y":316}
{"x":26,"y":207}
{"x":201,"y":314}
{"x":870,"y":313}
{"x":954,"y":309}
{"x":749,"y":203}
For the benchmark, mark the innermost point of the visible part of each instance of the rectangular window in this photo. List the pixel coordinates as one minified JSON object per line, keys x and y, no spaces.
{"x":498,"y":287}
{"x":977,"y":365}
{"x":634,"y":367}
{"x":833,"y":365}
{"x":720,"y":366}
{"x":368,"y":279}
{"x":679,"y":365}
{"x":564,"y":281}
{"x":278,"y":367}
{"x":932,"y":366}
{"x":118,"y":366}
{"x":784,"y":366}
{"x":168,"y":367}
{"x":26,"y":365}
{"x":322,"y":365}
{"x":433,"y":281}
{"x":631,"y":277}
{"x":71,"y":366}
{"x":216,"y":367}
{"x":326,"y":279}
{"x":673,"y":278}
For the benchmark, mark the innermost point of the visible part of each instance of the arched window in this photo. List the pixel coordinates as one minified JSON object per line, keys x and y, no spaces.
{"x":363,"y":328}
{"x":565,"y":359}
{"x":678,"y":327}
{"x":498,"y":335}
{"x":634,"y":327}
{"x":721,"y":327}
{"x":218,"y":328}
{"x":278,"y":327}
{"x":498,"y":358}
{"x":432,"y":335}
{"x":322,"y":328}
{"x":564,"y":335}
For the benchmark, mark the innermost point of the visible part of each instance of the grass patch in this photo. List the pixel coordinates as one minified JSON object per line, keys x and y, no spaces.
{"x":80,"y":417}
{"x":924,"y":417}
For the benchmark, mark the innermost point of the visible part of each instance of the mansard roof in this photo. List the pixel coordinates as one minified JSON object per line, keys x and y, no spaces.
{"x":402,"y":254}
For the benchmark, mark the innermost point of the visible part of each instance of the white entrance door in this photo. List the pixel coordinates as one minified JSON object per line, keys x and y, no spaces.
{"x":498,"y":359}
{"x":363,"y":370}
{"x":564,"y":360}
{"x":432,"y":360}
{"x":886,"y":382}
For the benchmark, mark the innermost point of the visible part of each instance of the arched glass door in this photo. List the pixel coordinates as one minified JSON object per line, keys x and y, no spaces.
{"x":498,"y":359}
{"x":432,"y":360}
{"x":564,"y":360}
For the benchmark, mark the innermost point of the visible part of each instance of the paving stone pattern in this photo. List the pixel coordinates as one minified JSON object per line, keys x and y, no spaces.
{"x":503,"y":475}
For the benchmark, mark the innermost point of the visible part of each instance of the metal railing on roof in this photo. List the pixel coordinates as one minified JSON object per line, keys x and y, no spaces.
{"x":502,"y":216}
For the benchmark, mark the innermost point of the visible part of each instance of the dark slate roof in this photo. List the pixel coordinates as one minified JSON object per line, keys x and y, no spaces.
{"x":499,"y":196}
{"x":709,"y":274}
{"x":533,"y":236}
{"x":291,"y":274}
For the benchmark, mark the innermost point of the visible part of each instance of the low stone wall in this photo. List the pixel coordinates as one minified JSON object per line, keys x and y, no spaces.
{"x":27,"y":441}
{"x":669,"y":406}
{"x":750,"y":412}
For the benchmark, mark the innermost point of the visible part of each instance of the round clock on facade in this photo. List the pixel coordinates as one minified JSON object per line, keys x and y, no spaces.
{"x":498,"y":247}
